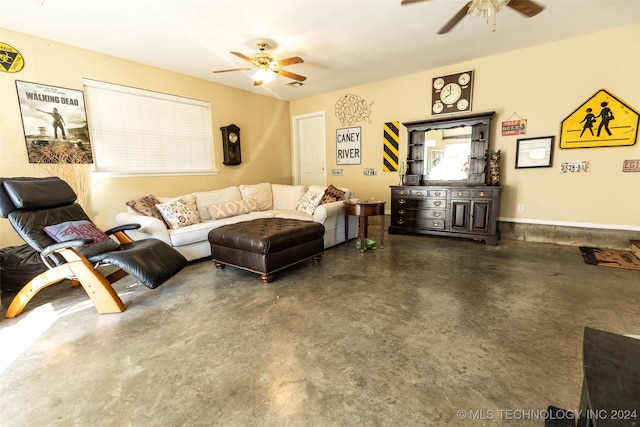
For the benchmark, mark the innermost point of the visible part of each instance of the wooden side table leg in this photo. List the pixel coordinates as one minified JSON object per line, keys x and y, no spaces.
{"x":382,"y":233}
{"x":362,"y":231}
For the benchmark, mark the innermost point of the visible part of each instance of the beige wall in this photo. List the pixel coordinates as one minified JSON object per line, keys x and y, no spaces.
{"x":543,"y":84}
{"x":264,"y":124}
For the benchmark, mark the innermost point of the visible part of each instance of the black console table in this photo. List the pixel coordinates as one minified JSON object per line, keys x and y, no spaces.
{"x":611,"y":384}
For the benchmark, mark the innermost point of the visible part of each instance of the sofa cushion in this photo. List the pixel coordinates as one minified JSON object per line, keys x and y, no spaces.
{"x":261,"y":193}
{"x":177,"y":214}
{"x":146,"y":206}
{"x":237,"y":207}
{"x":189,"y":199}
{"x":215,"y":197}
{"x":287,"y":196}
{"x":332,"y":194}
{"x":310,"y":202}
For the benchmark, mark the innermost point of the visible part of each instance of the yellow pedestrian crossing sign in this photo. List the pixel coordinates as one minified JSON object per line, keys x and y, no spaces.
{"x":602,"y":121}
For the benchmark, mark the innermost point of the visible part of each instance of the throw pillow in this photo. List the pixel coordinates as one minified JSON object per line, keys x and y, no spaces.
{"x":177,"y":214}
{"x":83,"y":229}
{"x":309,"y":202}
{"x":188,"y":199}
{"x":146,"y":206}
{"x":73,"y":230}
{"x":332,"y":194}
{"x":228,"y":209}
{"x":287,"y":197}
{"x":261,"y":193}
{"x":215,"y":197}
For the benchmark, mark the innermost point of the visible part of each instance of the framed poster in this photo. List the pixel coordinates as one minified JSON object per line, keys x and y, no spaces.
{"x":55,"y":124}
{"x":349,"y":146}
{"x":534,"y":152}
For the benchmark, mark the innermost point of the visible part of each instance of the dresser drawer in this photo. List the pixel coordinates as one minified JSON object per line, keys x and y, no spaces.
{"x":479,"y":194}
{"x":430,"y":224}
{"x":437,"y":214}
{"x":418,"y":203}
{"x":438,"y":193}
{"x":460,"y":194}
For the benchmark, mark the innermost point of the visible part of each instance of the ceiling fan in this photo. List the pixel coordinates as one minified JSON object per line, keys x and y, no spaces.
{"x":267,"y":66}
{"x":488,"y":9}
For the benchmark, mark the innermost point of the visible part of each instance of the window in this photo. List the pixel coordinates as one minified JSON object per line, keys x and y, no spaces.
{"x":142,"y":132}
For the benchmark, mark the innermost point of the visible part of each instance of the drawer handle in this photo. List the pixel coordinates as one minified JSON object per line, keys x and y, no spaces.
{"x":401,"y":192}
{"x":437,"y":193}
{"x":419,"y":193}
{"x":460,"y":193}
{"x":400,"y":221}
{"x":402,"y":201}
{"x":437,"y":214}
{"x":436,"y":223}
{"x":437,"y":203}
{"x":482,"y":194}
{"x":402,"y":212}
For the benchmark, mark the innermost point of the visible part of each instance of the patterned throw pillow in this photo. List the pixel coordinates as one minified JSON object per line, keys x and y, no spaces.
{"x":309,"y":202}
{"x":332,"y":194}
{"x":73,"y":230}
{"x":237,"y":207}
{"x":177,"y":213}
{"x":146,"y":206}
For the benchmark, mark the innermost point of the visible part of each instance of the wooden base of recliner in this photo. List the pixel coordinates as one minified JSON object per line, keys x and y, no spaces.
{"x":99,"y":289}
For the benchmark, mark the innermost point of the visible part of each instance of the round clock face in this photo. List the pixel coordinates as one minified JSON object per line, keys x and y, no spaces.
{"x":462,"y":105}
{"x":438,"y":83}
{"x":451,"y":93}
{"x":233,"y":137}
{"x":464,"y":79}
{"x":437,"y":107}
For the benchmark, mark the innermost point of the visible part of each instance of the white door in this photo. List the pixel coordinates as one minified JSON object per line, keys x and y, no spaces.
{"x":309,"y":149}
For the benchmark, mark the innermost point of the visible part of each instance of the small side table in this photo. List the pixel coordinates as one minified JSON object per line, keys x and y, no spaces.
{"x":363,"y":209}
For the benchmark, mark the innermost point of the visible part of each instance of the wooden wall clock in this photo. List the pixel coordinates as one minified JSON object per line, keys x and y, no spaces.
{"x":452,"y":93}
{"x":231,"y":145}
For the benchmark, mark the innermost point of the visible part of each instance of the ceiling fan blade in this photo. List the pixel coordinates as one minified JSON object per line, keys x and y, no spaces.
{"x":454,"y":21}
{"x":245,"y":57}
{"x":232,"y":69}
{"x":289,"y":61}
{"x":527,"y":7}
{"x":403,"y":2}
{"x":290,"y":75}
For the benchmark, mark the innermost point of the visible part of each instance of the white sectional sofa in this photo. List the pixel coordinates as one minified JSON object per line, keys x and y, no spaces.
{"x":184,"y":222}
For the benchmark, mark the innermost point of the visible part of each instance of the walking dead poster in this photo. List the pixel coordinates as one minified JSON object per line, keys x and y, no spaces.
{"x":55,"y":124}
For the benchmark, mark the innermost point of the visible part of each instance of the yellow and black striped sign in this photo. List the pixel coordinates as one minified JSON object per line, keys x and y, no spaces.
{"x":391,"y":143}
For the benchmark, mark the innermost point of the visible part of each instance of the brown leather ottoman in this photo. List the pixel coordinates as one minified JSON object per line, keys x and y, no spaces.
{"x":266,"y":245}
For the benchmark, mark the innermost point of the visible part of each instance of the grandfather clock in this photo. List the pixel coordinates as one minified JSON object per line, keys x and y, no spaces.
{"x":231,"y":145}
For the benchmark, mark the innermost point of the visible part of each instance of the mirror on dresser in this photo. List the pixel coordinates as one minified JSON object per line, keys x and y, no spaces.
{"x":445,"y":191}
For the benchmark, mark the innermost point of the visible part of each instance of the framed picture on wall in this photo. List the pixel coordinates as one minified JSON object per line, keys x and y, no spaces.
{"x":54,"y":120}
{"x":535,"y":152}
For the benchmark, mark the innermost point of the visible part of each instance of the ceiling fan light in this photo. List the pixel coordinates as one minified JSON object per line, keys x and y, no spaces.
{"x":487,"y":8}
{"x":264,"y":76}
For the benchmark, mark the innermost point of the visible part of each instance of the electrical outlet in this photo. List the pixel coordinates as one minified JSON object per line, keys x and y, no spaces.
{"x":520,"y":207}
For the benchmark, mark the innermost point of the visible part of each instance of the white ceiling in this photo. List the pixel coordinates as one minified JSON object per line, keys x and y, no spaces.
{"x":344,"y":43}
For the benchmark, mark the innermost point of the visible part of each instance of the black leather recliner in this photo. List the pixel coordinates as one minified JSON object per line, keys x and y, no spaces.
{"x":31,"y":204}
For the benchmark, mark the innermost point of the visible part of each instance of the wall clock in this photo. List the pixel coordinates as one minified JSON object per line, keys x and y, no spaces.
{"x":452,"y":93}
{"x":231,"y":145}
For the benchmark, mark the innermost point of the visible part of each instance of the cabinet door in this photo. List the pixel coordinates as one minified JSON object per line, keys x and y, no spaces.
{"x":481,"y":216}
{"x":460,"y":215}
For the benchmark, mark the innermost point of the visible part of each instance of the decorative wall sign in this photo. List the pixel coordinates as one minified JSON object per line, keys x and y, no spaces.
{"x":516,"y":125}
{"x":351,"y":109}
{"x":11,"y":61}
{"x":575,"y":166}
{"x":348,"y":146}
{"x":535,"y":152}
{"x":390,"y":147}
{"x":55,"y":124}
{"x":631,"y":165}
{"x":602,"y":121}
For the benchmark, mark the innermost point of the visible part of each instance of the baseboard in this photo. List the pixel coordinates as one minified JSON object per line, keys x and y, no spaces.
{"x":568,"y":235}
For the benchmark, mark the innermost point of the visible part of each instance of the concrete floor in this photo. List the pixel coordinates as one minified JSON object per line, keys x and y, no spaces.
{"x":427,"y":331}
